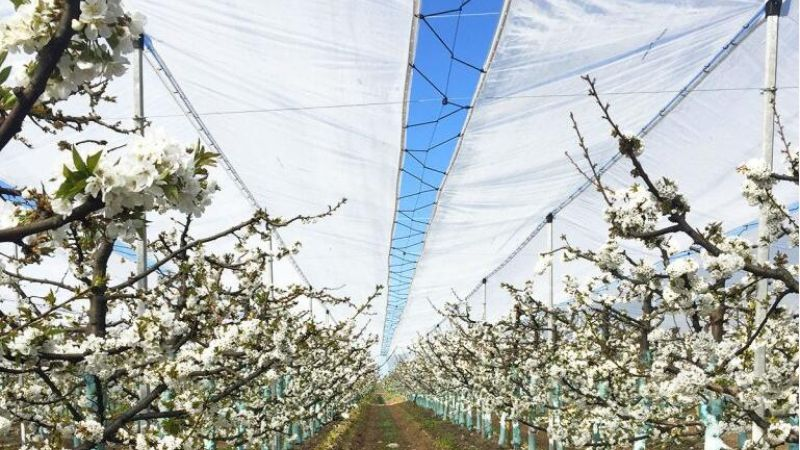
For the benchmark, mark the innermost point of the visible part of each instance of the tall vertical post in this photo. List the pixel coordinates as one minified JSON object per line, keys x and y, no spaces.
{"x":501,"y":435}
{"x":20,"y":379}
{"x":272,"y":391}
{"x":141,"y":244}
{"x":516,"y":435}
{"x":532,"y":430}
{"x":550,"y":278}
{"x":138,"y":117}
{"x":23,"y":438}
{"x":772,"y":10}
{"x":553,"y":418}
{"x":270,"y":272}
{"x":479,"y":419}
{"x":484,"y":299}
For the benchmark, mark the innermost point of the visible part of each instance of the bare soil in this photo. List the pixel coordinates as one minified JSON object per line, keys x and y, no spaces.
{"x":389,"y":424}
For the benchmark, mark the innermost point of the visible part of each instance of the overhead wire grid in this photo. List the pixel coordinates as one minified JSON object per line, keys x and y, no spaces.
{"x":442,"y":71}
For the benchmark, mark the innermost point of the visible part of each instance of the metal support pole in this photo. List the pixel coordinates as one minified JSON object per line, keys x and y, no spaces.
{"x":516,"y":435}
{"x":479,"y":419}
{"x":20,"y":379}
{"x":550,"y":277}
{"x":484,"y":299}
{"x":772,"y":11}
{"x":553,"y":443}
{"x":501,"y":435}
{"x":141,"y":244}
{"x":138,"y":106}
{"x":270,"y":261}
{"x":23,"y":437}
{"x":532,"y":430}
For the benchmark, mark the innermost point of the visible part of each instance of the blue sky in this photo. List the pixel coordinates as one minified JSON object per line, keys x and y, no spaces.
{"x":434,"y":124}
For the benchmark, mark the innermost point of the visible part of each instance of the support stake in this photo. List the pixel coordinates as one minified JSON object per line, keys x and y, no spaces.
{"x":772,"y":11}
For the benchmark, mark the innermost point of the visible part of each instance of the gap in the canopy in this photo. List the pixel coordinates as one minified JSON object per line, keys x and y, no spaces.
{"x":452,"y":44}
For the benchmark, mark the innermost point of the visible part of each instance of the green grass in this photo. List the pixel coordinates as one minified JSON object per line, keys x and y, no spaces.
{"x":388,"y":427}
{"x":444,"y":438}
{"x":446,"y":442}
{"x":341,"y":431}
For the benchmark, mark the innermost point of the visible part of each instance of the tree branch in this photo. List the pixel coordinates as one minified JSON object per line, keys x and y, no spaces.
{"x":16,"y":234}
{"x":46,"y":60}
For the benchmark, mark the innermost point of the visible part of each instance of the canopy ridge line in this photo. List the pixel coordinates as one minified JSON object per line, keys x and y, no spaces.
{"x":177,"y":93}
{"x":673,"y":103}
{"x":393,"y":239}
{"x":398,"y":290}
{"x":448,"y":12}
{"x":431,"y":122}
{"x":392,"y":323}
{"x":447,"y":47}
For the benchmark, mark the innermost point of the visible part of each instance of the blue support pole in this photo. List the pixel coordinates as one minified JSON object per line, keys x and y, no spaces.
{"x":501,"y":439}
{"x":92,"y":389}
{"x":555,"y":420}
{"x":532,"y":431}
{"x":266,"y":392}
{"x":277,"y":443}
{"x":710,"y":415}
{"x":210,"y":444}
{"x":516,"y":435}
{"x":644,"y":432}
{"x":794,"y":446}
{"x":602,"y":392}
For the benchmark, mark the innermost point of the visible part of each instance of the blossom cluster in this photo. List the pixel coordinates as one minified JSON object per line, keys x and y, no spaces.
{"x":231,"y":354}
{"x":104,"y":34}
{"x":213,"y":352}
{"x":152,"y":173}
{"x":659,"y":344}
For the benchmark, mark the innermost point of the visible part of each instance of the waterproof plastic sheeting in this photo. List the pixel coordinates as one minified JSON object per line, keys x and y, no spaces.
{"x":306,"y":100}
{"x":511,"y":171}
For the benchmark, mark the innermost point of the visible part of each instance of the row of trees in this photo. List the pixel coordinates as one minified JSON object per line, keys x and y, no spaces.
{"x":662,"y":348}
{"x":214,"y":352}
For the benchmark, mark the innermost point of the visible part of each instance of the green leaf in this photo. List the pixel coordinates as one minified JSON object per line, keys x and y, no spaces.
{"x":50,"y":298}
{"x":70,"y":188}
{"x":9,"y":100}
{"x":17,"y":3}
{"x":78,"y":161}
{"x":63,"y":189}
{"x":171,"y":191}
{"x":92,"y":160}
{"x":3,"y":57}
{"x":4,"y":73}
{"x":172,"y":426}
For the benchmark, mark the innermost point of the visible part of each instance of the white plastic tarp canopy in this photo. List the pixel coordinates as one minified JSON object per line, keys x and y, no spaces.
{"x":305,"y":99}
{"x":511,"y":171}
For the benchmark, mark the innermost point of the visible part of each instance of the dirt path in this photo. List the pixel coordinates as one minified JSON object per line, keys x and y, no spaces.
{"x":383,"y":426}
{"x":405,"y":426}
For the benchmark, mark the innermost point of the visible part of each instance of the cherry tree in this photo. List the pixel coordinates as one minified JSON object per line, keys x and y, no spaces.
{"x":660,"y":344}
{"x":214,"y":352}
